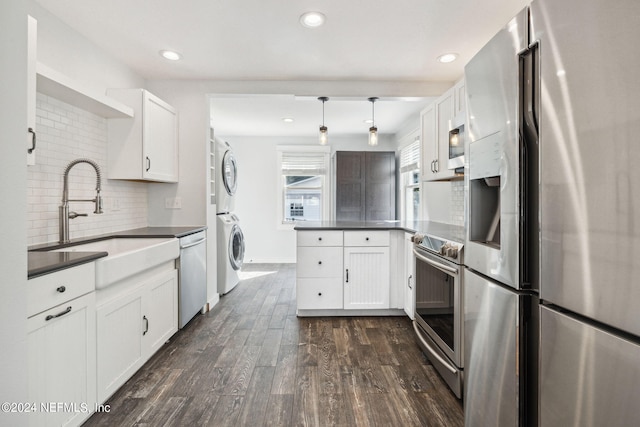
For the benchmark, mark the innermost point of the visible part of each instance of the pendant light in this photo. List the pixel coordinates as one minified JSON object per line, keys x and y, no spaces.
{"x":323,"y":135}
{"x":373,"y":130}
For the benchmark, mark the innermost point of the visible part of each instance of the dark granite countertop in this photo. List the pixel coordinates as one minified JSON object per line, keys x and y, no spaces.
{"x":42,"y":261}
{"x":437,"y":229}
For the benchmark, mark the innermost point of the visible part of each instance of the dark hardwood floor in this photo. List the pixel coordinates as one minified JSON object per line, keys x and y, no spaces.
{"x":251,"y":362}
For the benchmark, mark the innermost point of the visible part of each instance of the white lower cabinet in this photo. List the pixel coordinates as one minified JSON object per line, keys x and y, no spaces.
{"x":319,"y":270}
{"x":319,"y":293}
{"x":132,"y":326}
{"x":366,"y":281}
{"x":61,"y":345}
{"x":348,"y":273}
{"x":409,"y":292}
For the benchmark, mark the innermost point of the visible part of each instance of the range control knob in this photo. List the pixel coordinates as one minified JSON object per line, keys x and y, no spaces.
{"x":452,"y":252}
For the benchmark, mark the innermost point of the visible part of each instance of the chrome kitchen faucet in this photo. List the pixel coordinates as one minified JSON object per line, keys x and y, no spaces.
{"x":64,"y":208}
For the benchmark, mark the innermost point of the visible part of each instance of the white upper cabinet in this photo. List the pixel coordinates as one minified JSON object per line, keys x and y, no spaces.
{"x":32,"y":39}
{"x":460,"y":105}
{"x":146,"y":146}
{"x":436,"y":122}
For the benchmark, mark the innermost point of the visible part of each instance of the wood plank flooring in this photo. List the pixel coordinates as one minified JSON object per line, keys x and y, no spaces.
{"x":251,"y":362}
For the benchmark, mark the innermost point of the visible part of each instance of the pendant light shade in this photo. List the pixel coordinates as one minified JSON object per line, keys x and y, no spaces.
{"x":323,"y":134}
{"x":373,"y":130}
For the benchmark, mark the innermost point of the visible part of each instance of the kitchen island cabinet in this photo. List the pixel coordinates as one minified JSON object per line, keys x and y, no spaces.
{"x":381,"y":277}
{"x":344,"y":273}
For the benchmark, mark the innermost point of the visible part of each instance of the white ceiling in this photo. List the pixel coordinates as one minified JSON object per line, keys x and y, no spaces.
{"x":262,"y":40}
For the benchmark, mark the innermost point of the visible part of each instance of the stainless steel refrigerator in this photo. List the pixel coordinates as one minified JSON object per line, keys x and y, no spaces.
{"x":554,"y":217}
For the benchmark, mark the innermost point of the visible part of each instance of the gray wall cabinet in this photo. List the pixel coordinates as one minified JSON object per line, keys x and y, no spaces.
{"x":365,"y":185}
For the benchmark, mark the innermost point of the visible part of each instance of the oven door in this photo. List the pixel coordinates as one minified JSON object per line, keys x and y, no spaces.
{"x":438,"y":315}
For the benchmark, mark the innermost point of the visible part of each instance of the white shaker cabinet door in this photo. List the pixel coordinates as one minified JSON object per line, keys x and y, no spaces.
{"x":160,"y":133}
{"x":161,"y":310}
{"x":62,"y":363}
{"x":120,"y":326}
{"x":366,"y":277}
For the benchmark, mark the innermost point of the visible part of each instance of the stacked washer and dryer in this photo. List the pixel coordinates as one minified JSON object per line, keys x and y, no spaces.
{"x":230,"y":244}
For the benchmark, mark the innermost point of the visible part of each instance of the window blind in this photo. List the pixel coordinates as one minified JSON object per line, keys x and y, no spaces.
{"x":303,"y":163}
{"x":410,"y":156}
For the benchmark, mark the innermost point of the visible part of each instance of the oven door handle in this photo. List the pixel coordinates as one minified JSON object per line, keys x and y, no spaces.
{"x":437,"y":264}
{"x":432,"y":352}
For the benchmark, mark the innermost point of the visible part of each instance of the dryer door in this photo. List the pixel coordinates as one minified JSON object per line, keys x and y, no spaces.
{"x":229,"y":172}
{"x":236,"y":247}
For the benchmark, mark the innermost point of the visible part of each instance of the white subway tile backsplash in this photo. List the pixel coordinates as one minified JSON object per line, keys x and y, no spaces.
{"x":457,"y":203}
{"x":66,"y":133}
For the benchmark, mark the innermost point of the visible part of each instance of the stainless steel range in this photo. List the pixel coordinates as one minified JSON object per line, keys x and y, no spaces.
{"x":438,"y":313}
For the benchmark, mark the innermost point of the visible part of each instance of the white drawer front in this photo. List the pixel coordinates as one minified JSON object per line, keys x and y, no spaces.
{"x":366,"y":238}
{"x":316,"y":294}
{"x":319,"y":262}
{"x":50,"y":290}
{"x":320,"y":238}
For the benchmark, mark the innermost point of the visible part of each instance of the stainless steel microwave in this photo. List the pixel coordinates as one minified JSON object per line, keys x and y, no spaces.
{"x":456,"y":143}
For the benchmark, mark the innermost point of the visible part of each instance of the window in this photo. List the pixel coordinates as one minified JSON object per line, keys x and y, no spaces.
{"x":303,"y":179}
{"x":410,"y":180}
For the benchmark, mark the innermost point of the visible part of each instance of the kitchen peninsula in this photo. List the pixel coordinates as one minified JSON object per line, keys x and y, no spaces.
{"x":352,"y":268}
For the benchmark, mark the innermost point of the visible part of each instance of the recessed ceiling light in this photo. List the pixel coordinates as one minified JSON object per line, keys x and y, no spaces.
{"x":312,"y":19}
{"x":170,"y":55}
{"x":287,"y":119}
{"x":447,"y":57}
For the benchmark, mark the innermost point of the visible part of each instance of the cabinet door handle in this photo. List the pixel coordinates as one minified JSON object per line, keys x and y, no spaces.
{"x":319,"y":294}
{"x":433,"y":166}
{"x":146,"y":325}
{"x":62,"y":313}
{"x":61,"y":289}
{"x":148,"y":163}
{"x":436,"y":165}
{"x":319,"y":262}
{"x":347,"y":275}
{"x":33,"y":140}
{"x":409,"y":281}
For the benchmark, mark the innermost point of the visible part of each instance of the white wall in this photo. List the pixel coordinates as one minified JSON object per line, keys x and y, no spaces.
{"x":258,"y":186}
{"x":66,"y":51}
{"x":13,"y":235}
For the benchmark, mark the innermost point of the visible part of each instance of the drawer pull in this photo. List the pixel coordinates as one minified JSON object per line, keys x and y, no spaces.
{"x":319,"y":239}
{"x":319,"y":262}
{"x":146,"y":325}
{"x":61,"y":289}
{"x":366,"y":238}
{"x":62,"y":313}
{"x":319,"y":294}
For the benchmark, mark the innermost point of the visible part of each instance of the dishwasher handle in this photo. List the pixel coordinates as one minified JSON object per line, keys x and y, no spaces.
{"x":197,"y":242}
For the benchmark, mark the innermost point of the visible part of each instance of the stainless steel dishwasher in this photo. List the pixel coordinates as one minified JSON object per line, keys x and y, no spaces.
{"x":192,"y":276}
